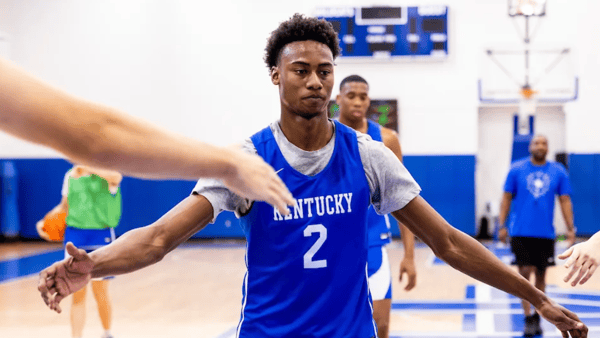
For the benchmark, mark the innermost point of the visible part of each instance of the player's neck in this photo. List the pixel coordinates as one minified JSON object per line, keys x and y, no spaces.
{"x":308,"y":135}
{"x":359,"y":125}
{"x":537,"y":162}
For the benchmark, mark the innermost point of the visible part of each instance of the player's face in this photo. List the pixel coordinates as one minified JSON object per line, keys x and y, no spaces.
{"x":539,"y":148}
{"x":354,"y":101}
{"x":304,"y":75}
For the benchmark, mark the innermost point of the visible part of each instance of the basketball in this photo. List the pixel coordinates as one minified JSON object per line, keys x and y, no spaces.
{"x":54,"y":226}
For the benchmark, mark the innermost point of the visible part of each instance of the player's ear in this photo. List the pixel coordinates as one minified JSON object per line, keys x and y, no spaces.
{"x":275,"y":75}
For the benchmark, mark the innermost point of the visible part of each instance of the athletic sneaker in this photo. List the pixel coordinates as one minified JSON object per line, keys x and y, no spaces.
{"x":536,"y":320}
{"x":531,"y":327}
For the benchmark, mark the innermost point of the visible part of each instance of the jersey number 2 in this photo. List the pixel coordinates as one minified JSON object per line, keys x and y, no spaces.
{"x":308,"y":256}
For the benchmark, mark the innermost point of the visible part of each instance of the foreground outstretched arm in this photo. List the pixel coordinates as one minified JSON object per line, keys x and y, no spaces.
{"x":470,"y":257}
{"x":101,"y":136}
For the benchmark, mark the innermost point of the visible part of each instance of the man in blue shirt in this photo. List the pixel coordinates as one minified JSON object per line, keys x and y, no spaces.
{"x":532,"y":183}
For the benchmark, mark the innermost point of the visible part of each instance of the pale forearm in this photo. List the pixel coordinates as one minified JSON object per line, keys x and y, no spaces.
{"x":101,"y":136}
{"x":470,"y":257}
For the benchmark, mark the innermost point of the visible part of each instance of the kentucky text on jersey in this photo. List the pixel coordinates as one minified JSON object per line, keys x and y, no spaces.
{"x":330,"y":204}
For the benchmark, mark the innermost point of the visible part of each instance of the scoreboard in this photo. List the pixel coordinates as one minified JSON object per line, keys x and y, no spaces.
{"x":389,"y":33}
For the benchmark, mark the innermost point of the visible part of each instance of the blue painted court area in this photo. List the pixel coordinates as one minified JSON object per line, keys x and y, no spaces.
{"x":488,"y":312}
{"x":16,"y":268}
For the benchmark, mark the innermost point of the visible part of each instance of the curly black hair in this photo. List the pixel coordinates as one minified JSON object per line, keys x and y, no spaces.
{"x":300,"y":28}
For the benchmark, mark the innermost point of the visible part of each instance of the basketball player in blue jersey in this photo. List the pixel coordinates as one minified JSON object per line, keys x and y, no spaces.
{"x":307,"y":271}
{"x":353,"y":101}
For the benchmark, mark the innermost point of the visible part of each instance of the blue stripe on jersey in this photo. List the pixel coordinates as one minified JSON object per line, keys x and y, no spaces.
{"x":307,"y":272}
{"x":379,"y":226}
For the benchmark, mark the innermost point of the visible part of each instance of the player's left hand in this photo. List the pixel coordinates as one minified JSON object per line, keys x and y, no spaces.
{"x":407,"y":266}
{"x":566,"y":321}
{"x":584,"y":258}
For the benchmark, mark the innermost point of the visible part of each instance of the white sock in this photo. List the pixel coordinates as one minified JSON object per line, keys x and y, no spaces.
{"x":106,"y":334}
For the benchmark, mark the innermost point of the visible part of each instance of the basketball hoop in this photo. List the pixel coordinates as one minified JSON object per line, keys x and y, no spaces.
{"x":527,"y":92}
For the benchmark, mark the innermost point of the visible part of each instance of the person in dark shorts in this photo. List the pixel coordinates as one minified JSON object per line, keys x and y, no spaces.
{"x":532,"y":183}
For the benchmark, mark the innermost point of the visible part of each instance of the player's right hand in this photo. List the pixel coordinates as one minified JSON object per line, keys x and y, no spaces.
{"x":256,"y":180}
{"x":65,"y":277}
{"x":566,"y":321}
{"x":583,"y":259}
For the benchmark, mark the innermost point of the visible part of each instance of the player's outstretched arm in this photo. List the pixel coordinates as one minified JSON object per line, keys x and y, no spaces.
{"x":470,"y":257}
{"x":583,"y":259}
{"x":134,"y":250}
{"x":100,"y":136}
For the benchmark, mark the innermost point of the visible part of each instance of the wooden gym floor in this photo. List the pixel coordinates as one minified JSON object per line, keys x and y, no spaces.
{"x":196,"y":292}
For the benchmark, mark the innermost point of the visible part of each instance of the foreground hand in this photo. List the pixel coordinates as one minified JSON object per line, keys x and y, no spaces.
{"x":566,"y":321}
{"x":407,"y":266}
{"x":256,"y":180}
{"x":65,"y":277}
{"x":583,"y":258}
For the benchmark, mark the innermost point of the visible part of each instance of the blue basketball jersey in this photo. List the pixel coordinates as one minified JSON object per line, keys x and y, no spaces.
{"x":534,"y":189}
{"x":379,"y":226}
{"x":307,"y":272}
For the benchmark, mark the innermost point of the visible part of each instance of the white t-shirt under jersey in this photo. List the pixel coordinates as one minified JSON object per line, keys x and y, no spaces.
{"x":391,"y":185}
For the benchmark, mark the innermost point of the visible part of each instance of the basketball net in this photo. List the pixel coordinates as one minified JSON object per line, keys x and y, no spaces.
{"x":527,"y":106}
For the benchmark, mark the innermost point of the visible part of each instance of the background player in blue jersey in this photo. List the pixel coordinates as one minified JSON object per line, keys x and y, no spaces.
{"x":315,"y":258}
{"x":532,"y":183}
{"x":354,"y":102}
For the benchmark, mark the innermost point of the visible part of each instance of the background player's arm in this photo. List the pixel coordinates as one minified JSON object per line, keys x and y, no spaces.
{"x":101,"y":136}
{"x":504,"y":209}
{"x":566,"y":206}
{"x":407,"y":265}
{"x":470,"y":257}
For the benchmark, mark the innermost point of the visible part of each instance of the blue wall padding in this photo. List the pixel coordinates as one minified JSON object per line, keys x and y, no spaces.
{"x":448,"y":184}
{"x":584,"y":171}
{"x":10,"y":223}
